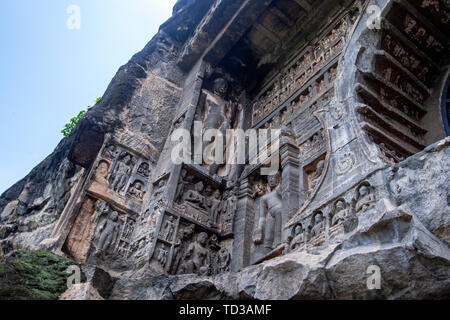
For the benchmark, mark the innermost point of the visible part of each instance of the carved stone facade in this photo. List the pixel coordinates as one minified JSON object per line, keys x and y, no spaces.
{"x":346,"y":99}
{"x":179,"y":218}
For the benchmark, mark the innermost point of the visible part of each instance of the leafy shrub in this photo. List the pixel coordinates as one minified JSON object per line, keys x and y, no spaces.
{"x":74,"y":121}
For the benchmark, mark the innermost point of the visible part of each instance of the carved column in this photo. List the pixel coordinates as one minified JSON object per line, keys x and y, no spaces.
{"x":290,"y":183}
{"x":243,"y":227}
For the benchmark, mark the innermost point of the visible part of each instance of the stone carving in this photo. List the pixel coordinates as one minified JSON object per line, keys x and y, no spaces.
{"x":122,"y":172}
{"x":411,"y":61}
{"x":137,"y":190}
{"x":319,"y":225}
{"x":297,"y":75}
{"x":111,"y":152}
{"x":162,"y":255}
{"x":102,"y":172}
{"x":213,"y":243}
{"x":228,"y":209}
{"x":345,"y":163}
{"x":181,"y":245}
{"x":138,"y":245}
{"x":269,"y":219}
{"x":185,"y":181}
{"x":420,"y":35}
{"x":315,"y":143}
{"x":195,"y":196}
{"x":169,"y":227}
{"x":299,"y":237}
{"x":107,"y":232}
{"x":435,"y":8}
{"x":144,"y":169}
{"x":159,"y":189}
{"x":339,"y":213}
{"x":224,"y":259}
{"x":364,"y":198}
{"x":315,"y":177}
{"x":337,"y":111}
{"x":389,"y":154}
{"x":197,"y":258}
{"x":214,"y":207}
{"x":220,"y":114}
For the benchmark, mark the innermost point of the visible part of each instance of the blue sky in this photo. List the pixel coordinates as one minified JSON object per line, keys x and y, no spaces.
{"x":49,"y":72}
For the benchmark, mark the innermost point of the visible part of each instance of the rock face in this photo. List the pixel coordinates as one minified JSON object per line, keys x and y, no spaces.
{"x":353,"y":202}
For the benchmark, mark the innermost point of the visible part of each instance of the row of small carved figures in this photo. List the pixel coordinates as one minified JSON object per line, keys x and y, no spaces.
{"x":309,"y":94}
{"x":437,"y":9}
{"x":408,"y":60}
{"x":420,"y":35}
{"x":267,"y":103}
{"x":341,"y":211}
{"x":306,"y":65}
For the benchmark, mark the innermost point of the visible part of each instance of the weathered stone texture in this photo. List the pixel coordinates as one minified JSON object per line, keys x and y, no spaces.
{"x":361,"y":181}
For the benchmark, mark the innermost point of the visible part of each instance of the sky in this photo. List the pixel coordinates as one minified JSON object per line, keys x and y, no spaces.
{"x":51,"y":69}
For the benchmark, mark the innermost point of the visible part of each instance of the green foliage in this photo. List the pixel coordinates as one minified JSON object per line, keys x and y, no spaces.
{"x":74,"y":121}
{"x":31,"y":275}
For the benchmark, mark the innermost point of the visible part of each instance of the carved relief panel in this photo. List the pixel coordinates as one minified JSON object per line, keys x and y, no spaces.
{"x":199,"y":197}
{"x":395,"y":89}
{"x":299,"y":73}
{"x":121,"y":175}
{"x":329,"y":224}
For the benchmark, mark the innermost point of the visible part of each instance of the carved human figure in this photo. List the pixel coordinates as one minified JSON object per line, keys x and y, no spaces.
{"x":268,"y":231}
{"x":169,"y":227}
{"x":340,"y":212}
{"x":111,"y":151}
{"x":319,"y":225}
{"x":137,"y":190}
{"x":180,"y":246}
{"x":195,"y":196}
{"x":213,"y":242}
{"x":259,"y":189}
{"x":101,"y":208}
{"x":143,"y":169}
{"x":214,"y":207}
{"x":101,"y":174}
{"x":121,"y":172}
{"x":220,"y":115}
{"x":365,"y":199}
{"x":316,"y":176}
{"x":108,"y":231}
{"x":159,"y":189}
{"x":181,"y":185}
{"x":227,"y":211}
{"x":129,"y":228}
{"x":197,"y":256}
{"x":162,"y":256}
{"x":299,"y":237}
{"x":224,"y":259}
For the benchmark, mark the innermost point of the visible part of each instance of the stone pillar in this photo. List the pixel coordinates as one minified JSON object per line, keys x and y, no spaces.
{"x":243,"y":227}
{"x":289,"y":184}
{"x":187,"y":106}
